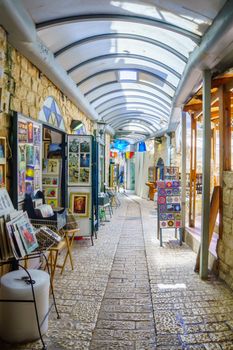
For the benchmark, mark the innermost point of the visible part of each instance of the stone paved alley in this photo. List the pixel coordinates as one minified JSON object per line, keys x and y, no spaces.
{"x":128,"y":293}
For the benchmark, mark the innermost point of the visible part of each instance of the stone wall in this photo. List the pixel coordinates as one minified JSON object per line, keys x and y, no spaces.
{"x":27,"y":89}
{"x":225,"y":244}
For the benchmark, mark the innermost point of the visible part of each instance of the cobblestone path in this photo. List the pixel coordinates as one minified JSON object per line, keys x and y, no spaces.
{"x":126,"y":318}
{"x":126,"y":292}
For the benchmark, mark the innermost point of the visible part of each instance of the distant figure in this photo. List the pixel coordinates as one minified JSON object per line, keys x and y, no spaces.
{"x":121,"y":180}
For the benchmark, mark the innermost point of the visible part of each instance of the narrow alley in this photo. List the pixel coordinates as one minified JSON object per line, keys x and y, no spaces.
{"x":126,"y":292}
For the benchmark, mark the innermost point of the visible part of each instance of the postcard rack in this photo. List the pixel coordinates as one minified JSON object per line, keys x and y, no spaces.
{"x":169,"y":208}
{"x":15,"y":265}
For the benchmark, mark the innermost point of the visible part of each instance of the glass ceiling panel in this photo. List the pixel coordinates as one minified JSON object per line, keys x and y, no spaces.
{"x":133,"y":108}
{"x":129,"y":94}
{"x":146,"y":118}
{"x":78,"y":55}
{"x":120,"y":101}
{"x":125,"y":86}
{"x":62,"y":35}
{"x":123,"y":63}
{"x":134,"y":98}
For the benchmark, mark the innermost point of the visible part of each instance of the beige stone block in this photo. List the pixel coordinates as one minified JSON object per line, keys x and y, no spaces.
{"x":227,"y":225}
{"x":228,"y":179}
{"x":15,"y":104}
{"x":24,"y":63}
{"x":31,"y":98}
{"x":40,"y":89}
{"x":16,"y":72}
{"x":223,"y":267}
{"x":226,"y":195}
{"x":32,"y":71}
{"x":229,"y":257}
{"x":44,"y":81}
{"x":21,"y":92}
{"x":227,"y":211}
{"x":26,"y":79}
{"x":221,"y":250}
{"x":33,"y":112}
{"x":25,"y":109}
{"x":34,"y":85}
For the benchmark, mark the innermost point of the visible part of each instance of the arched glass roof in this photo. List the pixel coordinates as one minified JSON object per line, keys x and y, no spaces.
{"x":126,"y":57}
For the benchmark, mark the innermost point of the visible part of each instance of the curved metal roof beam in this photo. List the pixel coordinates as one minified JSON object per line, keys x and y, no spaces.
{"x":130,"y":82}
{"x":148,"y":118}
{"x":130,"y":119}
{"x":113,"y":17}
{"x":125,"y":55}
{"x":143,"y":116}
{"x":140,"y":104}
{"x":139,"y":108}
{"x":132,"y":90}
{"x":156,"y":76}
{"x":122,"y":36}
{"x":136,"y":122}
{"x":123,"y":97}
{"x":133,"y":127}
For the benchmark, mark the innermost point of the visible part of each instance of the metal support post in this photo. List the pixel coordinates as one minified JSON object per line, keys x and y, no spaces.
{"x":183,"y":172}
{"x":206,"y":155}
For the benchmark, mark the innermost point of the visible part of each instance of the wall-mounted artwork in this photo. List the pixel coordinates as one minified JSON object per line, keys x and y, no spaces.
{"x":50,"y":192}
{"x":79,"y":203}
{"x":52,"y":202}
{"x":53,"y":166}
{"x":22,"y":132}
{"x":79,"y":161}
{"x":30,"y":132}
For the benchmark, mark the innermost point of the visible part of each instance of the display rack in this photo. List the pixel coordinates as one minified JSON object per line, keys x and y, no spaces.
{"x":169,"y":208}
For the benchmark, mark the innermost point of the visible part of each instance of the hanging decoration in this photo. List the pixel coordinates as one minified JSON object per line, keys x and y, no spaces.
{"x":142,"y":146}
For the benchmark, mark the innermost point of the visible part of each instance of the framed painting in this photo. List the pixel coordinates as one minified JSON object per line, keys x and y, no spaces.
{"x":50,"y":192}
{"x":46,"y":134}
{"x":52,"y":202}
{"x":46,"y":149}
{"x":79,"y":204}
{"x":53,"y":166}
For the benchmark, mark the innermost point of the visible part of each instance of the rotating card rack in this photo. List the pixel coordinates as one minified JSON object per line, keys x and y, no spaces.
{"x":169,"y":208}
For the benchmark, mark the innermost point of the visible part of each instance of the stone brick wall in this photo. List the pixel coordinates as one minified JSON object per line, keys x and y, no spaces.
{"x":27,"y":89}
{"x":225,"y":244}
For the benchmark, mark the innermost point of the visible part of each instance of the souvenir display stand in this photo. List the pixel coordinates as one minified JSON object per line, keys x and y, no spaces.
{"x":169,"y":208}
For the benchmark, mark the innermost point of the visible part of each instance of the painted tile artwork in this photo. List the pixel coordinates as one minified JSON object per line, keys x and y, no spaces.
{"x":169,"y":204}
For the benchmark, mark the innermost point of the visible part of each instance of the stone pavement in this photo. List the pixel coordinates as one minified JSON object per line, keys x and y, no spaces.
{"x":127,"y":292}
